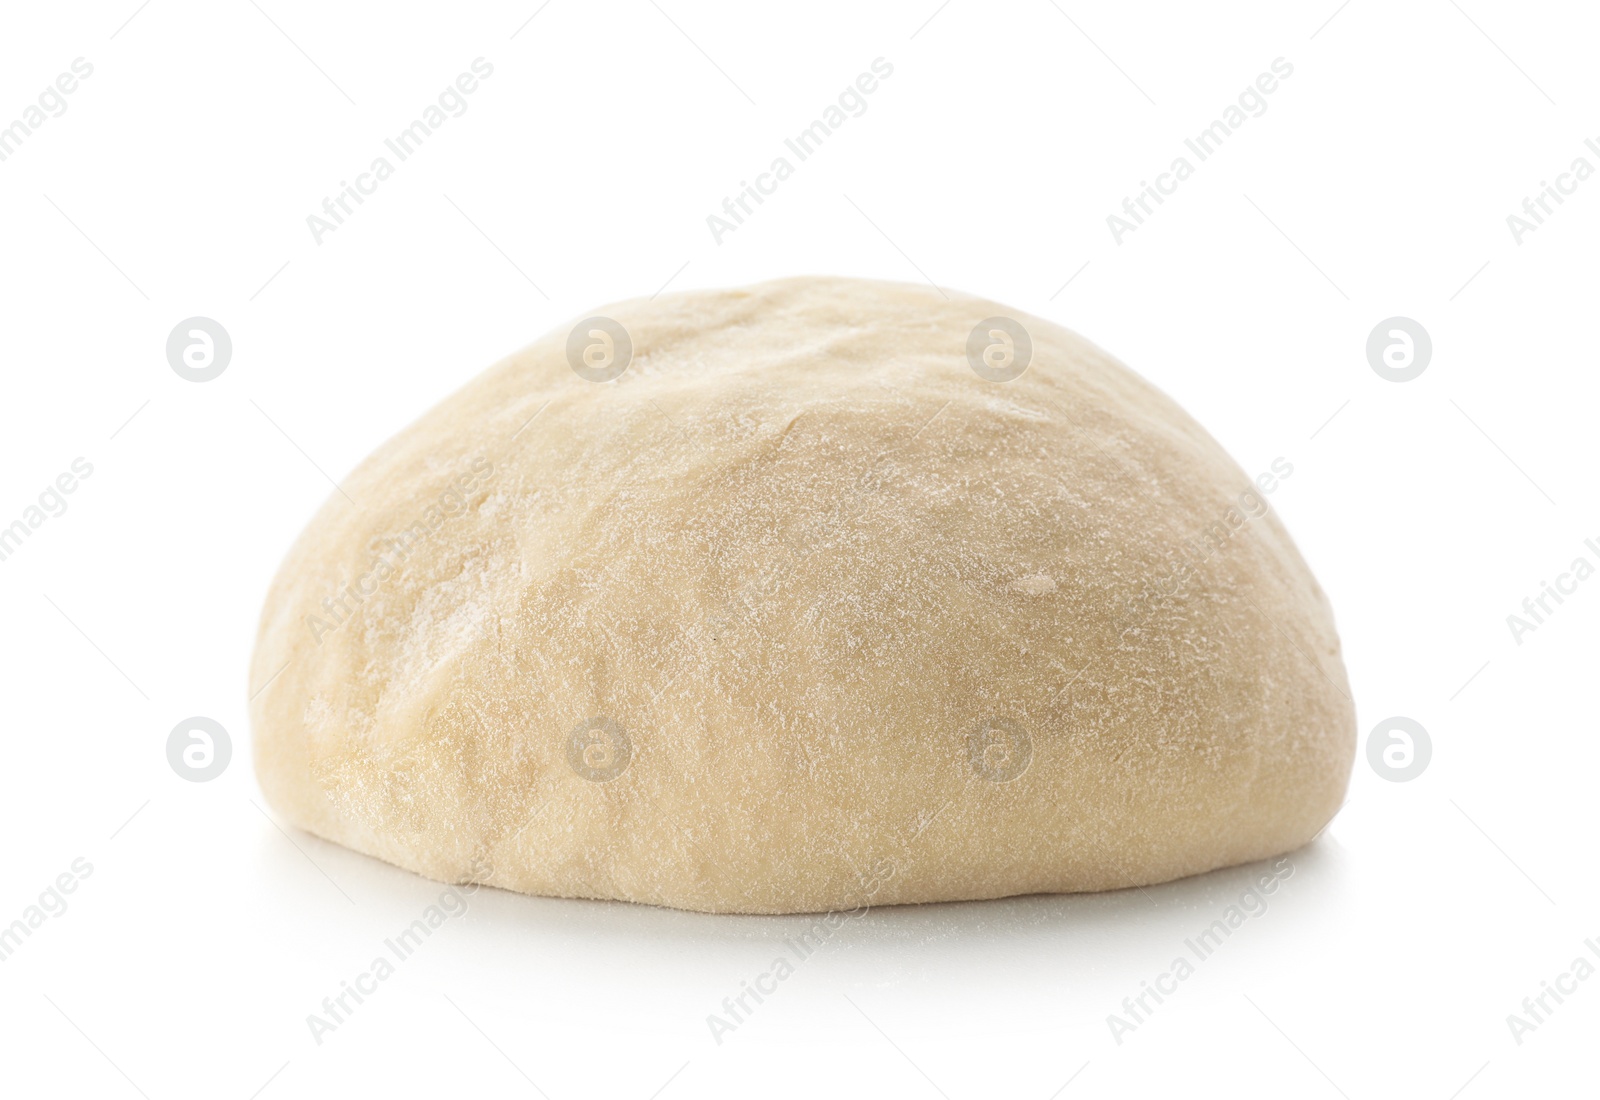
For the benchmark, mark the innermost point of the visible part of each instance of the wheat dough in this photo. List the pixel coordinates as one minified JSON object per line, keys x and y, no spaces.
{"x":801,"y":613}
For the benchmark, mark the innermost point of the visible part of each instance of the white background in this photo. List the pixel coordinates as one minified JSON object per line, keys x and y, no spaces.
{"x":1376,"y":184}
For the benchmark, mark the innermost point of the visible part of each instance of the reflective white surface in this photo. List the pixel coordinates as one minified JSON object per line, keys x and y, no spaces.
{"x":1378,"y":182}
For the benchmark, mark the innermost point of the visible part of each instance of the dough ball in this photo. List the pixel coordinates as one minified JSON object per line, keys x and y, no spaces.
{"x":812,"y":595}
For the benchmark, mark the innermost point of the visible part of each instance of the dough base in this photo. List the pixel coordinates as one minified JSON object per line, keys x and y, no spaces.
{"x":875,"y":630}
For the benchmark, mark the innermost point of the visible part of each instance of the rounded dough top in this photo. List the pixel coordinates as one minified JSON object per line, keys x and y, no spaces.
{"x":801,"y":613}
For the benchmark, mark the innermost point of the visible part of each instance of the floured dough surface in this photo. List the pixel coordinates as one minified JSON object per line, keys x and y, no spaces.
{"x":800,"y":613}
